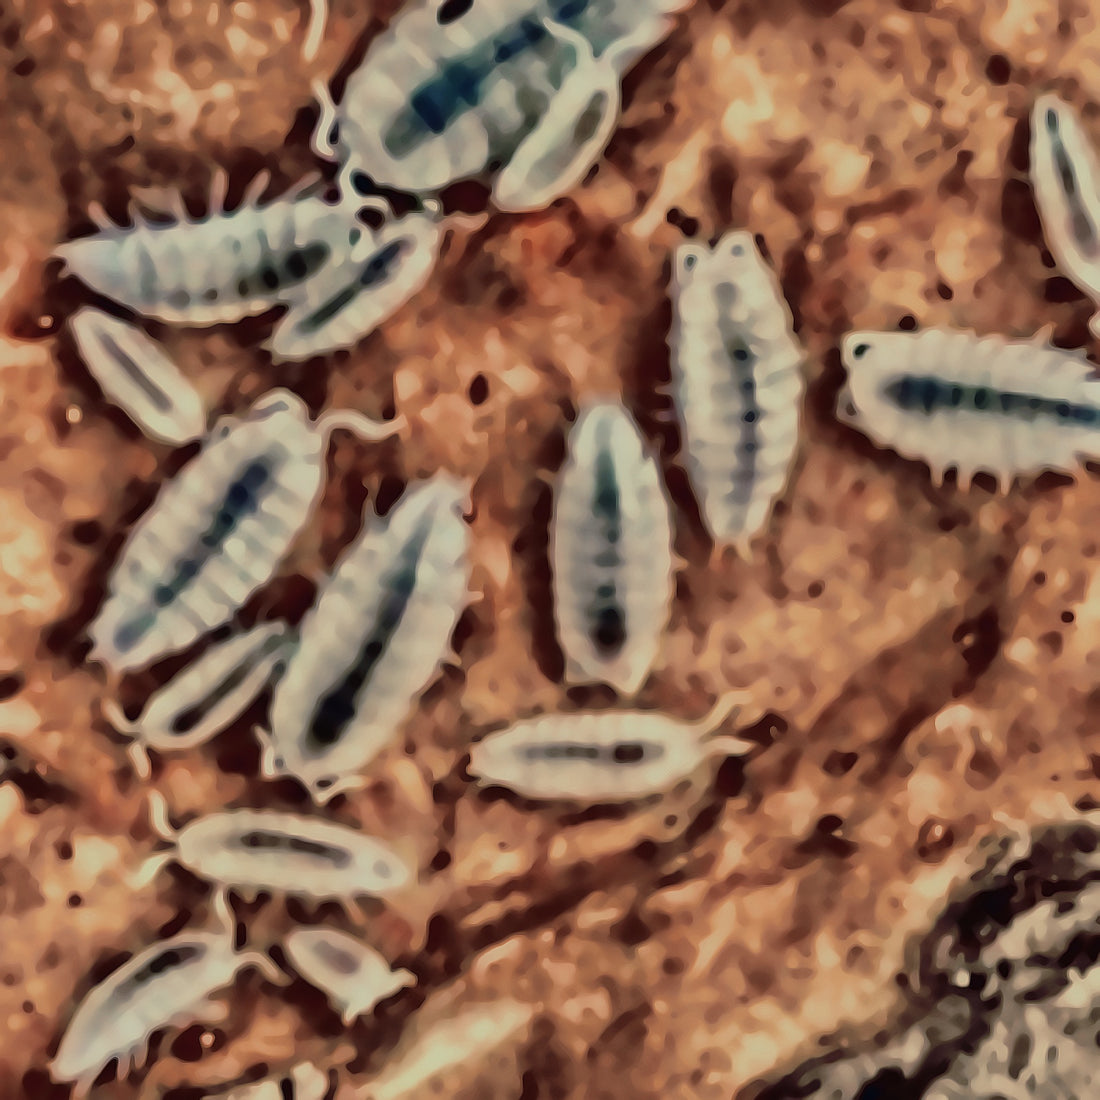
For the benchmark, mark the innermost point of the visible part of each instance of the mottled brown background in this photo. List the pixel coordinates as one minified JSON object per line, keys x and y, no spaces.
{"x":922,"y":661}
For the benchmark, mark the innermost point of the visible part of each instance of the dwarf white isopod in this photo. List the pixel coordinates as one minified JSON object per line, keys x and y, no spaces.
{"x":217,"y":269}
{"x":954,"y":399}
{"x":610,"y":551}
{"x":372,"y":642}
{"x":601,"y":756}
{"x":737,"y":379}
{"x":218,"y":530}
{"x":353,"y":975}
{"x":206,"y":696}
{"x":257,"y":850}
{"x":135,"y":373}
{"x":170,"y":983}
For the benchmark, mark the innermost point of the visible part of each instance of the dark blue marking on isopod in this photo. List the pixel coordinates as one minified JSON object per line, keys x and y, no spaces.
{"x":619,"y":752}
{"x":172,"y":958}
{"x":136,"y":375}
{"x":743,"y":361}
{"x":1084,"y":233}
{"x":336,"y":709}
{"x":435,"y":104}
{"x":928,"y":395}
{"x":343,"y":962}
{"x":188,"y":719}
{"x":607,"y":616}
{"x":374,"y":272}
{"x":271,"y":841}
{"x":242,"y":497}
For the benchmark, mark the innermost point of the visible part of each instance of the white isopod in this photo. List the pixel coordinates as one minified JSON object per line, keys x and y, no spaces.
{"x":303,"y":1082}
{"x":134,"y":373}
{"x":954,"y":399}
{"x":450,"y":90}
{"x":578,"y":123}
{"x":1065,"y":177}
{"x":256,"y":850}
{"x":610,"y":551}
{"x":349,"y":296}
{"x":737,"y":378}
{"x":602,"y":756}
{"x":171,"y":983}
{"x":372,"y":642}
{"x":206,"y":696}
{"x":216,"y":269}
{"x":353,"y":975}
{"x":219,"y":529}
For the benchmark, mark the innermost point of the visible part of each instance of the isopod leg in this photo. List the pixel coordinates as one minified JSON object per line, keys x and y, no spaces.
{"x":158,"y":816}
{"x":149,"y":870}
{"x":320,"y":141}
{"x":360,"y":424}
{"x":113,"y":713}
{"x":1094,"y":325}
{"x":729,"y":746}
{"x":727,"y":705}
{"x":315,"y":29}
{"x":139,"y":759}
{"x":266,"y":966}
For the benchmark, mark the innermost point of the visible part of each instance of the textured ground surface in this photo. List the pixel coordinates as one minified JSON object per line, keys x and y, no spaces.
{"x":922,"y":661}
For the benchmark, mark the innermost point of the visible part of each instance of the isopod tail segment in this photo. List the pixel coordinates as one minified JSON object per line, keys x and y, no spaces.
{"x":589,"y":100}
{"x":272,"y":766}
{"x":321,"y":141}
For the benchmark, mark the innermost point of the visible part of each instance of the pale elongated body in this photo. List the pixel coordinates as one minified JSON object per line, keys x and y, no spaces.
{"x":737,"y":380}
{"x":349,"y":296}
{"x":610,"y":551}
{"x":171,"y":983}
{"x":441,"y":96}
{"x":135,"y":373}
{"x":1065,"y":178}
{"x":254,"y":850}
{"x":372,"y":642}
{"x":218,"y":530}
{"x":207,"y":695}
{"x":216,"y":269}
{"x":601,"y":756}
{"x":953,"y":399}
{"x":354,"y":976}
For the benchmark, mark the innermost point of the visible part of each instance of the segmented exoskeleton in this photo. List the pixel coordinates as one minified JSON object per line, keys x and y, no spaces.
{"x":218,"y":530}
{"x":953,"y":399}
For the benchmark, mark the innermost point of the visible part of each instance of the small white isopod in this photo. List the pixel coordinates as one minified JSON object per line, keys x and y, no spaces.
{"x":610,"y":551}
{"x":218,"y":530}
{"x":206,"y":696}
{"x":602,"y":756}
{"x":953,"y":399}
{"x":350,"y":295}
{"x":1065,"y":178}
{"x":171,"y":983}
{"x":135,"y":373}
{"x":737,"y":380}
{"x":268,"y":850}
{"x":217,"y":269}
{"x":354,"y":976}
{"x":373,"y":640}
